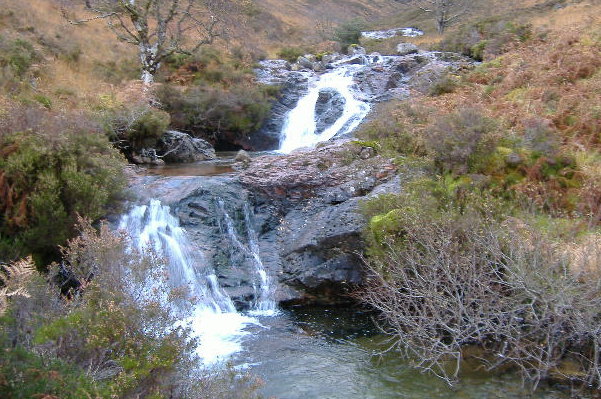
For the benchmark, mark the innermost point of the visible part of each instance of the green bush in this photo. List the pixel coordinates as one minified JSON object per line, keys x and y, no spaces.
{"x":349,"y":32}
{"x":290,"y":54}
{"x":485,"y":38}
{"x":462,"y":141}
{"x":25,"y":375}
{"x":49,"y":174}
{"x":217,"y":114}
{"x":18,"y":55}
{"x":148,"y":128}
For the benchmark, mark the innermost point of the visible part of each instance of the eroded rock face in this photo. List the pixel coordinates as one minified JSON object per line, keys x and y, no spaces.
{"x":328,"y":109}
{"x":302,"y":209}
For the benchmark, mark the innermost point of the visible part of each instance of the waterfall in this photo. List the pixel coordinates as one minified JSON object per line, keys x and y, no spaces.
{"x":264,"y":303}
{"x":299,"y":128}
{"x":214,"y":321}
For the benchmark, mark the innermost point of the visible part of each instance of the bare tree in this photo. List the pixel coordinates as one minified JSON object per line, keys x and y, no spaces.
{"x":159,"y":28}
{"x":445,"y":11}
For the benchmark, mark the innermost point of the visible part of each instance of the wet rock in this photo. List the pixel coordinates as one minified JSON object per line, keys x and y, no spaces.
{"x":178,"y":147}
{"x":304,"y":62}
{"x":242,"y":156}
{"x":294,"y":86}
{"x":328,"y":109}
{"x":355,"y":50}
{"x":147,"y":156}
{"x":406,"y":49}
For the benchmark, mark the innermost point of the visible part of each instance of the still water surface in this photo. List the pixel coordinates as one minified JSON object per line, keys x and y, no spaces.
{"x":333,"y":354}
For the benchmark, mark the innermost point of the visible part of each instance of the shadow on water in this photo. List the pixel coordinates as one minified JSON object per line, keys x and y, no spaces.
{"x":332,"y":353}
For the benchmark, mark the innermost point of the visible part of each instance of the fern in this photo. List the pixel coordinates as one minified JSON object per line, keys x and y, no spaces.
{"x":13,"y":280}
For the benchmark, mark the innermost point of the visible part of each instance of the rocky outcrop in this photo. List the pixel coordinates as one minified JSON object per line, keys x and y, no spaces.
{"x":329,"y":107}
{"x":302,"y":209}
{"x":178,"y":147}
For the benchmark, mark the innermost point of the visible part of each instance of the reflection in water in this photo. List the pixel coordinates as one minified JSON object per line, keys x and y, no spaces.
{"x":190,"y":169}
{"x":329,"y":354}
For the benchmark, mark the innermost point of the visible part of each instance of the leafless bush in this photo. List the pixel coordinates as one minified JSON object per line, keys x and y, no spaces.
{"x":461,"y":139}
{"x":463,"y":281}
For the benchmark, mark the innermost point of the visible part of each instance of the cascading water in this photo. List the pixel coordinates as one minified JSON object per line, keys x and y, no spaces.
{"x":264,"y":303}
{"x":214,"y":319}
{"x":300,"y":127}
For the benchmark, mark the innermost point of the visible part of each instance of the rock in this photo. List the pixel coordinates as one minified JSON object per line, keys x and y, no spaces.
{"x":147,"y":156}
{"x":304,"y":62}
{"x":178,"y":147}
{"x":268,"y":137}
{"x":328,"y":109}
{"x":355,"y":50}
{"x":242,"y":156}
{"x":406,"y":48}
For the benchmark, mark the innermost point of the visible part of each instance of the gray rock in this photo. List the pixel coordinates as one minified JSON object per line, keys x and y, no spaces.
{"x":356,"y":50}
{"x":406,"y":48}
{"x":304,"y":62}
{"x":178,"y":147}
{"x":242,"y":156}
{"x":328,"y":109}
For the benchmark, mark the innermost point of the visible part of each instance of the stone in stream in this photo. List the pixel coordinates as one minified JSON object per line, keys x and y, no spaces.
{"x":178,"y":147}
{"x":328,"y":109}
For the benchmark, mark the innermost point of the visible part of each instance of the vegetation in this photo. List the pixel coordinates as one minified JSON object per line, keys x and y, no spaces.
{"x":52,"y":168}
{"x":221,"y":103}
{"x":103,"y":342}
{"x":349,"y":33}
{"x":491,"y":252}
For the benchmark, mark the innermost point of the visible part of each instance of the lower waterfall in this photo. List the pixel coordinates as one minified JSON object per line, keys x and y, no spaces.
{"x":214,"y":320}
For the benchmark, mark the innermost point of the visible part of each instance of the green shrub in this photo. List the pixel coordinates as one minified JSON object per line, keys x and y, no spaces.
{"x":485,"y":38}
{"x":25,"y":375}
{"x":217,"y":114}
{"x":18,"y":55}
{"x":349,"y":32}
{"x":49,"y":174}
{"x":148,"y":128}
{"x":290,"y":54}
{"x":461,"y":142}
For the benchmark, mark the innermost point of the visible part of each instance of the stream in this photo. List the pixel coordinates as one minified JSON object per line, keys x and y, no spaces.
{"x":299,"y":352}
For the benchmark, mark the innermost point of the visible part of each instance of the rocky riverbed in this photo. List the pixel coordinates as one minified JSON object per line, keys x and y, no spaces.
{"x":302,"y":210}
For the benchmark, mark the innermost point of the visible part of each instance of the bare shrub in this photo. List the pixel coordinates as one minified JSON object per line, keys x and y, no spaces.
{"x":449,"y":282}
{"x":461,"y":139}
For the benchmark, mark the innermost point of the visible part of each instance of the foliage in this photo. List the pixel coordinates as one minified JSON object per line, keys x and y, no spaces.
{"x":52,"y":168}
{"x":290,"y":54}
{"x":24,"y":375}
{"x":461,"y":140}
{"x":217,"y":114}
{"x":349,"y":32}
{"x":16,"y":58}
{"x":451,"y":275}
{"x":487,"y":38}
{"x":13,"y":280}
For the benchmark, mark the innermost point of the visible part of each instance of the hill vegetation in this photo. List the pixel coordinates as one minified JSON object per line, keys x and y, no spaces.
{"x":495,"y":240}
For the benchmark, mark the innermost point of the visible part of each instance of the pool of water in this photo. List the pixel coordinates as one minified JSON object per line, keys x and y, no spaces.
{"x":337,"y":354}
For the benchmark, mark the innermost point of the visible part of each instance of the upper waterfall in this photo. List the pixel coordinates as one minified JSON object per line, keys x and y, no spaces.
{"x":300,"y":126}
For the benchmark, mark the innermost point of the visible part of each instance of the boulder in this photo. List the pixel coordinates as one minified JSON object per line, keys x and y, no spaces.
{"x":406,"y":48}
{"x":304,"y":62}
{"x":328,"y":109}
{"x":178,"y":147}
{"x":356,"y":50}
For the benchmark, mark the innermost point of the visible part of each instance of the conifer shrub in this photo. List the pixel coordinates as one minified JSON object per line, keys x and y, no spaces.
{"x":52,"y":168}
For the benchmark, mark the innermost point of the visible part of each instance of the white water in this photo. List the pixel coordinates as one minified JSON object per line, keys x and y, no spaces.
{"x":214,"y":320}
{"x":264,"y":304}
{"x":300,"y":127}
{"x":390,"y":33}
